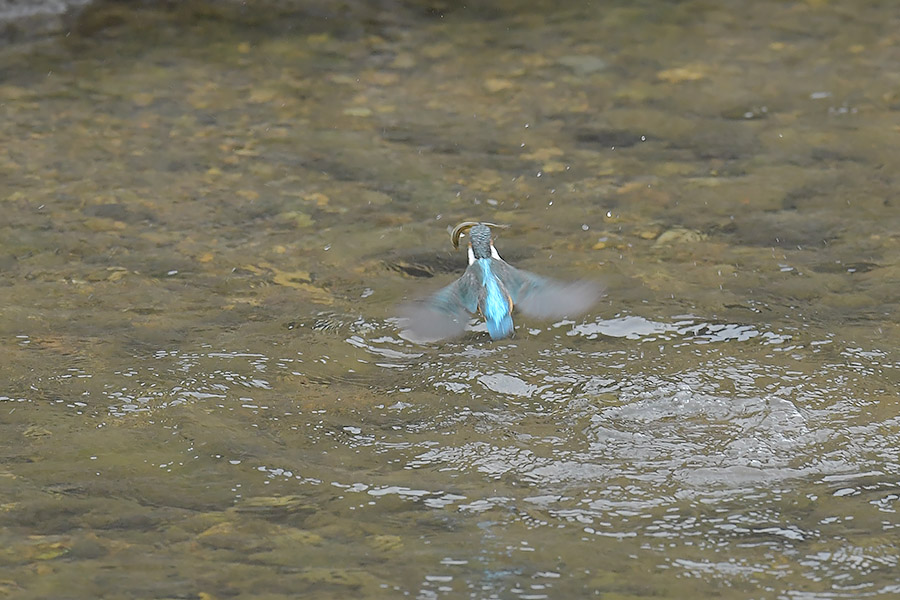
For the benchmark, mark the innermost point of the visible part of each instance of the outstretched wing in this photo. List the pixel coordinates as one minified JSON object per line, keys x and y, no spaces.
{"x":546,"y":298}
{"x":444,"y":314}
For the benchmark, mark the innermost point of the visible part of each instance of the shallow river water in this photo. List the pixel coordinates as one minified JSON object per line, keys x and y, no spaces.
{"x":210,"y":214}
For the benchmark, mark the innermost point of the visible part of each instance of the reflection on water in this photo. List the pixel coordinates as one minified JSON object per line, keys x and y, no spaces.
{"x":211,"y":217}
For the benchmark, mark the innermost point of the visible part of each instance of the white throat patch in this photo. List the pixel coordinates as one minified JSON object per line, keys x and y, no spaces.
{"x":494,"y":253}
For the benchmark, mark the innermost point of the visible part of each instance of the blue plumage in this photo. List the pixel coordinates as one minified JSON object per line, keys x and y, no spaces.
{"x":496,"y":308}
{"x":492,"y":288}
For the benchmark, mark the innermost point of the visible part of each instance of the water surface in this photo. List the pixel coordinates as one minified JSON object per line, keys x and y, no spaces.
{"x":210,"y":216}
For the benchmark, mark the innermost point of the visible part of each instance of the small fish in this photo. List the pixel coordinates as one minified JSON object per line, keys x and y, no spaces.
{"x":492,"y":288}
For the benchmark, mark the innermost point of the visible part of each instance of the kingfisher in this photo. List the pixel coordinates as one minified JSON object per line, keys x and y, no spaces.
{"x":492,"y":288}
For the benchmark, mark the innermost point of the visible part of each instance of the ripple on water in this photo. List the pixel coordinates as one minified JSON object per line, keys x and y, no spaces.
{"x":701,"y":435}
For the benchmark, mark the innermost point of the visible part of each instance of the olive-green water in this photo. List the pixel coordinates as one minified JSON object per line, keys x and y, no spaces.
{"x":208,"y":216}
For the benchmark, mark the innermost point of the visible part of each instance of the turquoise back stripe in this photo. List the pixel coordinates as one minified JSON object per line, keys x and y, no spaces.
{"x":496,"y":305}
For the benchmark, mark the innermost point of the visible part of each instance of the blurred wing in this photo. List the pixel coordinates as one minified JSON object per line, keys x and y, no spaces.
{"x":443,"y":314}
{"x":546,"y":298}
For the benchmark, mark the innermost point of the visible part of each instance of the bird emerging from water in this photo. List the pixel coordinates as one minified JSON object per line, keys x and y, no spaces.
{"x":492,"y":288}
